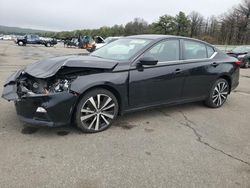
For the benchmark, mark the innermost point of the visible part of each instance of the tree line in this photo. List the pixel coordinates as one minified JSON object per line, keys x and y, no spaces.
{"x":232,"y":27}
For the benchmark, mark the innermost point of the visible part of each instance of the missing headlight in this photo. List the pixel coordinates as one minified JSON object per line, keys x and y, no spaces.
{"x":60,"y":85}
{"x":28,"y":85}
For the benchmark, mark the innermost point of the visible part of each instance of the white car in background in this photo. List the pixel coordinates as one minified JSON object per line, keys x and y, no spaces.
{"x":7,"y":37}
{"x":106,"y":41}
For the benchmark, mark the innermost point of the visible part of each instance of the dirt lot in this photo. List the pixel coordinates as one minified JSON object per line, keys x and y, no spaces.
{"x":182,"y":146}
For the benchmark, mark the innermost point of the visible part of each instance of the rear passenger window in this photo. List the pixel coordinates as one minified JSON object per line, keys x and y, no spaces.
{"x":165,"y":51}
{"x":210,"y":51}
{"x":194,"y":50}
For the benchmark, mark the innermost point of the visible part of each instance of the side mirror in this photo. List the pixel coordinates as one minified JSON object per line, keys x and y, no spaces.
{"x":148,"y":61}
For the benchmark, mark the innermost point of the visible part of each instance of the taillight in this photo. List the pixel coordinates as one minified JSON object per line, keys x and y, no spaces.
{"x":237,"y":62}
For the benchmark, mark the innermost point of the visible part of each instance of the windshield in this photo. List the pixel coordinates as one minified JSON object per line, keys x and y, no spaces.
{"x":241,"y":49}
{"x":122,"y":49}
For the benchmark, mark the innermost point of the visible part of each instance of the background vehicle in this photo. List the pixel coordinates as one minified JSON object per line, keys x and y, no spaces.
{"x":35,"y":39}
{"x":71,"y":43}
{"x":106,"y":41}
{"x":94,"y":43}
{"x":7,"y":37}
{"x":129,"y":74}
{"x":84,"y":42}
{"x":242,"y":53}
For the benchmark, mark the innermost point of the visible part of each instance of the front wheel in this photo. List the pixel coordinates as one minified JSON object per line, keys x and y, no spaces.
{"x":48,"y":44}
{"x":96,"y":111}
{"x":218,"y":94}
{"x":20,"y":43}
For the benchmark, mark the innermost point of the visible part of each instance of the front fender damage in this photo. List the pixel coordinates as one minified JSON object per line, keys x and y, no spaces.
{"x":22,"y":85}
{"x":10,"y":87}
{"x":42,"y":92}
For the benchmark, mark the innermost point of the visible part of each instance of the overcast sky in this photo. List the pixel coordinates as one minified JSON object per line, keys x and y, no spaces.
{"x":79,"y":14}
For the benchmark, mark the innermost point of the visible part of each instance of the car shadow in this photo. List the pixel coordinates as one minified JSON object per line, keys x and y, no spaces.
{"x":125,"y":122}
{"x":167,"y":109}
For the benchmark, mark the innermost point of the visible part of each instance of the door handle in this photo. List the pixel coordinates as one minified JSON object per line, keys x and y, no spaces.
{"x":214,"y":64}
{"x":177,"y":71}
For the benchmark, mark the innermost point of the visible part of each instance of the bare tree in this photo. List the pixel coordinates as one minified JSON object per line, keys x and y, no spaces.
{"x":197,"y":21}
{"x":244,"y":21}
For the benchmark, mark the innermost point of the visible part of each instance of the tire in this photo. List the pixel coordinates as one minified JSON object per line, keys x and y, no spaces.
{"x":20,"y":43}
{"x":92,"y":116}
{"x":247,"y":64}
{"x":218,"y":93}
{"x":48,"y":44}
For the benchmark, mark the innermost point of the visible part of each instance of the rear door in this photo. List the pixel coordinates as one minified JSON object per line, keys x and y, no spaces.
{"x":200,"y":68}
{"x":161,"y":83}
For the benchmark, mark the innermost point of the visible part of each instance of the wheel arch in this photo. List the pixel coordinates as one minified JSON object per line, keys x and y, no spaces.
{"x":228,"y":79}
{"x":21,"y":40}
{"x":111,"y":89}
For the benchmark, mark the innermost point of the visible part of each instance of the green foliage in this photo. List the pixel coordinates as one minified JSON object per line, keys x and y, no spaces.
{"x":165,"y":25}
{"x":182,"y":24}
{"x":138,"y":26}
{"x":178,"y":25}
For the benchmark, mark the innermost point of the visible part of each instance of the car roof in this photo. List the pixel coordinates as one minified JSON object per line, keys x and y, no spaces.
{"x":155,"y":36}
{"x":159,"y":37}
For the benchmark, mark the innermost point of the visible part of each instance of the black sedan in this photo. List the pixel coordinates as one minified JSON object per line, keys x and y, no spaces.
{"x":242,"y":53}
{"x":129,"y":74}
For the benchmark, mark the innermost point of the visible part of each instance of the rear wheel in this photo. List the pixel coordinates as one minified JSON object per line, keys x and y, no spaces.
{"x":96,"y":111}
{"x":218,"y":94}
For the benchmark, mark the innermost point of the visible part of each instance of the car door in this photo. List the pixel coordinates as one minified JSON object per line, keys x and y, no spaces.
{"x":28,"y":38}
{"x":160,"y":83}
{"x":31,"y":39}
{"x":200,"y":68}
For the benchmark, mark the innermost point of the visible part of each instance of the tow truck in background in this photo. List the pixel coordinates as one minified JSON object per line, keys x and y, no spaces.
{"x":35,"y":39}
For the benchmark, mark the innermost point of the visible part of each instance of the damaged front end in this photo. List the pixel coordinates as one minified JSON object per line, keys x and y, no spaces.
{"x":41,"y":101}
{"x":42,"y":91}
{"x":21,"y":85}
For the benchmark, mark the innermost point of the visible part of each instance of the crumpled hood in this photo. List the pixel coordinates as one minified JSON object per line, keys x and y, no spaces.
{"x":49,"y":67}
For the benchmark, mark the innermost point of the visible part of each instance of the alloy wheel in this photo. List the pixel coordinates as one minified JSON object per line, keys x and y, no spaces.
{"x":97,"y":112}
{"x":220,"y":93}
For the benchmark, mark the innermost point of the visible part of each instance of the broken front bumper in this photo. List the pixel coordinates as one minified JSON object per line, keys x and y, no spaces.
{"x":50,"y":110}
{"x":54,"y":109}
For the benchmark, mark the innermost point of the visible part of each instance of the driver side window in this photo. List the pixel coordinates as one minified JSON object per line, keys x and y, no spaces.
{"x":165,"y":51}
